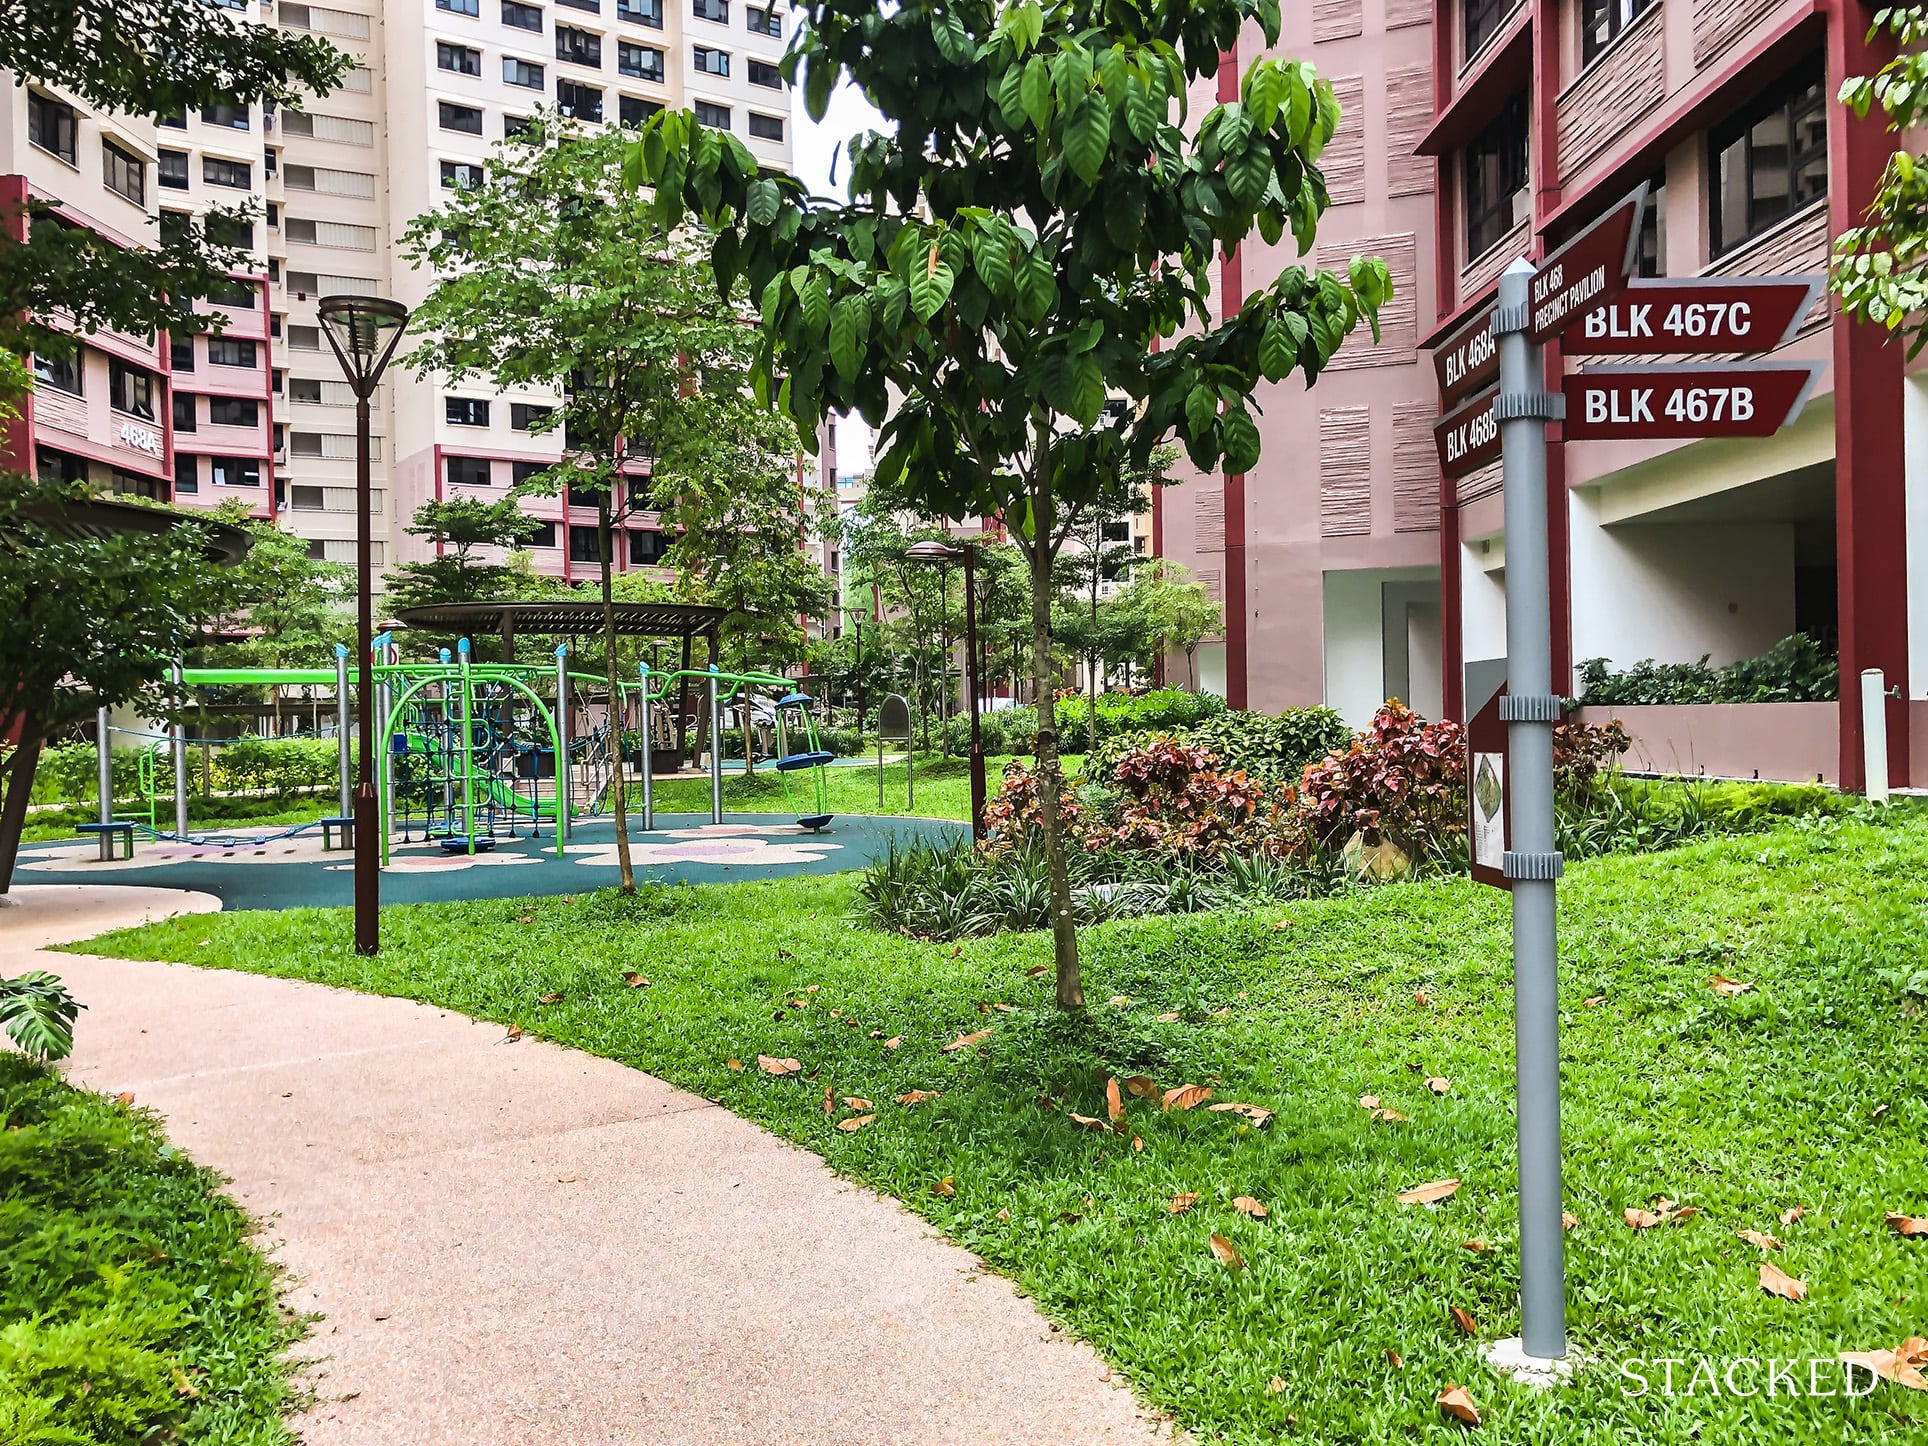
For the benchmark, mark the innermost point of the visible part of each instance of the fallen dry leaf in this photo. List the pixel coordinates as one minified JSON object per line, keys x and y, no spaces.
{"x":1793,"y":1213}
{"x":1642,"y":1219}
{"x":829,"y":1101}
{"x":1902,"y":1365}
{"x":567,"y":1179}
{"x":1594,"y":1001}
{"x":1005,"y":1008}
{"x":1090,"y":1122}
{"x":1183,"y":1097}
{"x":1227,"y":1253}
{"x":1118,"y":1001}
{"x":634,"y":980}
{"x":1395,"y":1360}
{"x":779,"y":1067}
{"x":1439,"y":1084}
{"x":1282,"y":924}
{"x":734,"y":1063}
{"x":1568,"y":1220}
{"x":1478,"y":1247}
{"x":1368,"y":1102}
{"x":1171,"y":1017}
{"x":124,"y":1098}
{"x":1908,"y":1224}
{"x":1456,"y":1403}
{"x":1138,"y":1144}
{"x":851,"y":1102}
{"x":893,"y":1041}
{"x":917,"y":1097}
{"x":1114,"y":1102}
{"x":1463,"y":1318}
{"x":1776,"y":1281}
{"x":1758,"y":1240}
{"x":945,"y":1186}
{"x":1686,"y":1212}
{"x":1140,"y":1086}
{"x":1259,"y":1115}
{"x":963,"y":1041}
{"x":854,"y":1123}
{"x":1877,"y":1112}
{"x":1035,"y":970}
{"x":1430,"y":1193}
{"x":1004,"y":1214}
{"x":1390,"y":1116}
{"x":1422,"y":997}
{"x":1181,"y":1203}
{"x":1275,"y":1385}
{"x":1722,"y":985}
{"x":811,"y":988}
{"x":515,"y":1033}
{"x":1246,"y":1205}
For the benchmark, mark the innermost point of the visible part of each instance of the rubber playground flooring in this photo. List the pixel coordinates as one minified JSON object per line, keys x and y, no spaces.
{"x":294,"y":872}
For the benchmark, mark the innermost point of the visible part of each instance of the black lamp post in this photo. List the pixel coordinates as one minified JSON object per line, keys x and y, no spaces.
{"x":363,"y":332}
{"x":940,"y":552}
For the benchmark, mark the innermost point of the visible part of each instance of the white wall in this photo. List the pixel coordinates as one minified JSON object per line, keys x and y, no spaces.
{"x":1369,"y":650}
{"x":1482,"y":600}
{"x":1915,"y":451}
{"x":1210,"y":662}
{"x":1673,"y":591}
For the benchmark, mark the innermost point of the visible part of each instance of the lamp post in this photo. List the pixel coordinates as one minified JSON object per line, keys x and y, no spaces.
{"x":856,"y":616}
{"x":363,"y":332}
{"x":941,"y":553}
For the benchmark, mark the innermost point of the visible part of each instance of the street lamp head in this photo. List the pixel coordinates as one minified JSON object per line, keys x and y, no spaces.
{"x":933,"y":551}
{"x":363,"y":332}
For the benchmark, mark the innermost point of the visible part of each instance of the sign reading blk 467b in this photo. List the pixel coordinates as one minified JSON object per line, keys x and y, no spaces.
{"x":1750,"y":399}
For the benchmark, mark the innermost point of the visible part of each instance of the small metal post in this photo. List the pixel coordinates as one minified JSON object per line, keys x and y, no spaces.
{"x":716,"y":754}
{"x":104,"y":777}
{"x":1533,"y":863}
{"x":178,"y":733}
{"x":385,"y":697}
{"x":565,"y":769}
{"x":468,"y":750}
{"x":1874,"y":734}
{"x":344,"y":753}
{"x":649,"y":766}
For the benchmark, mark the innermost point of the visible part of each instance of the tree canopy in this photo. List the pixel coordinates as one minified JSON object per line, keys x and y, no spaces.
{"x":1880,"y":269}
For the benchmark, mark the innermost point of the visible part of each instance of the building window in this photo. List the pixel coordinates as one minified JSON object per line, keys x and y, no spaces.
{"x":1653,"y":231}
{"x":236,"y":293}
{"x":520,"y":472}
{"x":304,"y":338}
{"x":130,"y":389}
{"x":462,"y":175}
{"x":522,"y":17}
{"x":228,"y":114}
{"x":269,"y":163}
{"x":717,"y":117}
{"x":635,"y":111}
{"x":515,"y":125}
{"x":274,"y":219}
{"x":584,"y":102}
{"x":471,"y":8}
{"x":1602,"y":20}
{"x":234,"y":412}
{"x":237,"y":471}
{"x":462,"y":59}
{"x":584,"y":545}
{"x":467,"y":471}
{"x":523,"y":415}
{"x":594,"y":7}
{"x":645,"y":548}
{"x":545,"y":536}
{"x":180,"y":353}
{"x":187,"y":473}
{"x":578,"y":47}
{"x":125,"y":172}
{"x":173,"y":120}
{"x":525,"y":73}
{"x":466,"y":411}
{"x":766,"y":127}
{"x":718,"y":10}
{"x":62,"y":373}
{"x":1483,"y":20}
{"x":712,"y":62}
{"x":764,"y":73}
{"x":173,"y":170}
{"x":641,"y":61}
{"x":453,"y":117}
{"x":1494,"y":170}
{"x":1770,"y":160}
{"x":218,"y":172}
{"x":228,"y":351}
{"x":763,"y":20}
{"x":224,"y":228}
{"x":641,"y":12}
{"x":184,"y":420}
{"x":54,"y":126}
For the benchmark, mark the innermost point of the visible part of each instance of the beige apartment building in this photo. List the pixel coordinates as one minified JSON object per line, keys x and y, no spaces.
{"x":260,"y":413}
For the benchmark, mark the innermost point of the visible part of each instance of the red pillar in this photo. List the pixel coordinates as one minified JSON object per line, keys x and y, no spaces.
{"x":1869,"y":462}
{"x":1237,"y":613}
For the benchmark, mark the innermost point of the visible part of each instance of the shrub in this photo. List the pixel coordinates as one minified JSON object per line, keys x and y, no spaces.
{"x":1175,"y":801}
{"x":1017,"y":813}
{"x":1794,"y":670}
{"x":1275,"y":749}
{"x":990,"y":728}
{"x":1403,"y":780}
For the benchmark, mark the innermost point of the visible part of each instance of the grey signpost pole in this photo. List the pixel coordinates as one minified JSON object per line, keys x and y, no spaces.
{"x":1533,"y":863}
{"x":565,"y":766}
{"x":177,"y":736}
{"x":716,"y":754}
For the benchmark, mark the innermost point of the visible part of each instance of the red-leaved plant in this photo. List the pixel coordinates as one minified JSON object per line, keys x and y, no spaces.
{"x":1016,"y":811}
{"x":1177,"y":802}
{"x":1402,"y":780}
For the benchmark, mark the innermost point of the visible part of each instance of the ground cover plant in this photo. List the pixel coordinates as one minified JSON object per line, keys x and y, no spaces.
{"x":1742,"y":1039}
{"x":133,"y":1308}
{"x":1794,"y":670}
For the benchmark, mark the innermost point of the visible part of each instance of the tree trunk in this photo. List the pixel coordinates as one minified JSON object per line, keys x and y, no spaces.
{"x":618,"y":781}
{"x":18,"y":774}
{"x":1091,"y":659}
{"x":1064,"y":932}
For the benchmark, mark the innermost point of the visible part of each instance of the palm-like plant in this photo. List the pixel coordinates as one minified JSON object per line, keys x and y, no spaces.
{"x":38,"y":1014}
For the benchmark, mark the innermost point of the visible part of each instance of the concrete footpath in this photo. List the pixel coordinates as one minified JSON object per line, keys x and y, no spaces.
{"x":518,"y":1243}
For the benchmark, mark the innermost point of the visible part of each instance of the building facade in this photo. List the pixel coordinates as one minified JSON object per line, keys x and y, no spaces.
{"x":260,"y":412}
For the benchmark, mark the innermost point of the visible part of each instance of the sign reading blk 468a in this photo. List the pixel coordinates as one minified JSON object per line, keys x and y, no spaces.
{"x":1695,"y":314}
{"x":1739,"y":399}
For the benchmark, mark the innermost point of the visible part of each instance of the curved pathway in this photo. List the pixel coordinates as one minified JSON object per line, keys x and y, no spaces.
{"x":518,"y":1243}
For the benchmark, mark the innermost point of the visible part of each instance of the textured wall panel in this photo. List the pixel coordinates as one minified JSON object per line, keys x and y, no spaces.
{"x":1208,"y":517}
{"x":1719,"y":24}
{"x":1415,"y":468}
{"x":1345,"y":471}
{"x":1344,"y":160}
{"x":1618,"y":90}
{"x":1409,"y":111}
{"x":1401,"y":13}
{"x":1213,"y":581}
{"x":1398,"y":319}
{"x":1484,"y":271}
{"x":1337,"y":19}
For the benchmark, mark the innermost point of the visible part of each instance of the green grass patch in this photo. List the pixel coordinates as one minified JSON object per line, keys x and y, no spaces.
{"x":133,"y":1308}
{"x":1810,"y":1089}
{"x":942,"y":789}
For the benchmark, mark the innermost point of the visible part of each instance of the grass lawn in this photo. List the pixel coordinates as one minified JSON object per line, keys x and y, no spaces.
{"x":132,"y":1306}
{"x":205,"y":815}
{"x":943,"y":787}
{"x":1809,"y":1089}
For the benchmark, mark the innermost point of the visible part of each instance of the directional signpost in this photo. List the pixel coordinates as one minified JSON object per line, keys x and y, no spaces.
{"x":1584,"y":296}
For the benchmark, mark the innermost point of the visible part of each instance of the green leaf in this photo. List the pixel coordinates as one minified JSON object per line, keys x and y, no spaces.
{"x":1035,"y":91}
{"x":814,"y":300}
{"x":1071,"y":73}
{"x":1088,"y":137}
{"x":849,"y":332}
{"x":991,"y":257}
{"x":1201,"y":409}
{"x":1241,"y":436}
{"x":1140,"y":118}
{"x":953,"y":43}
{"x":817,"y":82}
{"x":1087,"y":388}
{"x":1249,"y":173}
{"x":930,"y":285}
{"x":1277,"y":354}
{"x":760,"y":208}
{"x":1010,"y":95}
{"x":1037,"y":288}
{"x":1298,"y":105}
{"x":1027,"y":24}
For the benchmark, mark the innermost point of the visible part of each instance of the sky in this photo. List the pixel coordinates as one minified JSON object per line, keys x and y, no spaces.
{"x":813,"y":146}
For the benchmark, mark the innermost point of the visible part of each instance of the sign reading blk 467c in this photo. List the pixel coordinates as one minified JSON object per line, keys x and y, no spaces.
{"x":1675,"y":317}
{"x":1750,"y":399}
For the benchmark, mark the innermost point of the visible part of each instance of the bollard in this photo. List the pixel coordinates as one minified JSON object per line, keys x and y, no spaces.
{"x":716,"y":754}
{"x":1874,"y":734}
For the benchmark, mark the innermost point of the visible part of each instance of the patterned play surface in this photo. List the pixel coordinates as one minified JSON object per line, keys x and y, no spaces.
{"x":295,"y":872}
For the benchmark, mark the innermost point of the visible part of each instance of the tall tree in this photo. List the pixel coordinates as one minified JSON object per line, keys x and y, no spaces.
{"x":1880,"y":269}
{"x":1032,"y":240}
{"x":554,"y":272}
{"x":1176,"y":611}
{"x":457,"y":527}
{"x":291,"y":607}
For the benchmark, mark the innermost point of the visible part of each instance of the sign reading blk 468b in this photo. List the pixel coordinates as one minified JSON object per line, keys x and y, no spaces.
{"x":1747,"y":399}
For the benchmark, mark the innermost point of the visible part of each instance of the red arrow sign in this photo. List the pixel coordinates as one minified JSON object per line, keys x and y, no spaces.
{"x":1695,"y":314}
{"x":1469,"y":438}
{"x":1739,"y":399}
{"x":1591,"y":268}
{"x":1469,"y":361}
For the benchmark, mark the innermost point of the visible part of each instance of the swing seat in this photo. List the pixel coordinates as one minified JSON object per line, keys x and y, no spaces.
{"x":794,"y":700}
{"x":457,"y":844}
{"x":816,"y":822}
{"x":798,"y":761}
